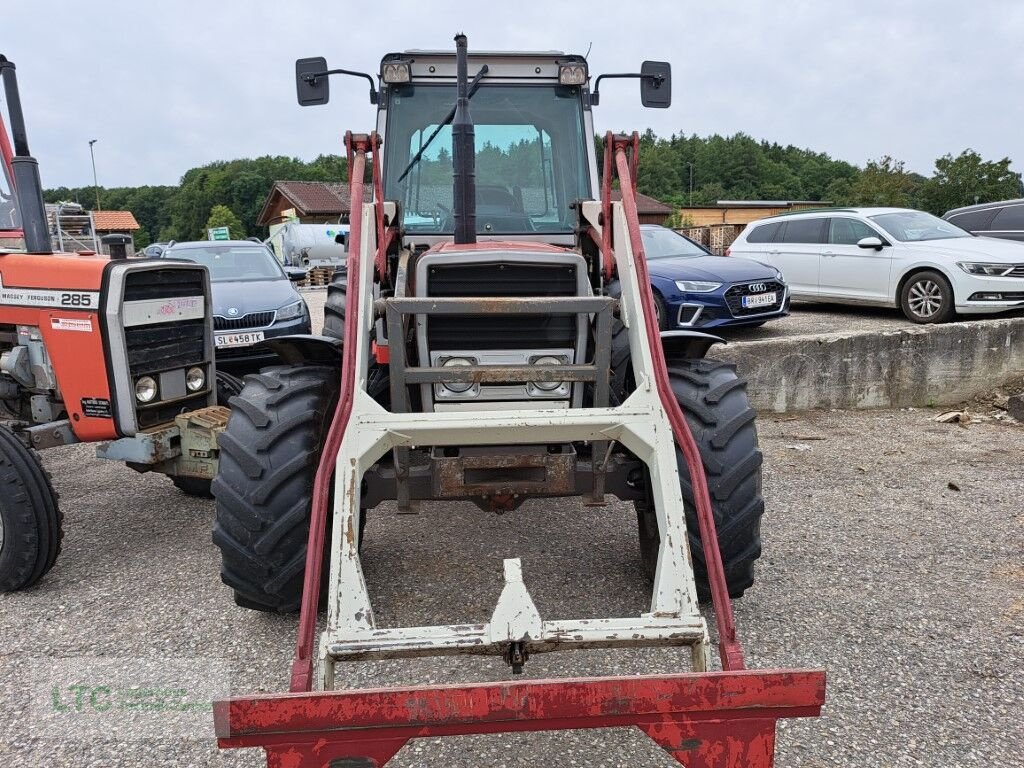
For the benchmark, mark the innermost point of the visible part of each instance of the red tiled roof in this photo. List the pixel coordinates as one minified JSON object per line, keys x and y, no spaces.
{"x":114,"y":221}
{"x":314,"y":198}
{"x":647,"y":205}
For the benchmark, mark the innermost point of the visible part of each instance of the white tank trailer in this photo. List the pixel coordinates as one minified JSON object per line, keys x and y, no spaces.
{"x":310,"y":245}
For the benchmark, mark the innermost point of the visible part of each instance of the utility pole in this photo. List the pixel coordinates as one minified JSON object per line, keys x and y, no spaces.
{"x":691,"y":184}
{"x":95,"y":183}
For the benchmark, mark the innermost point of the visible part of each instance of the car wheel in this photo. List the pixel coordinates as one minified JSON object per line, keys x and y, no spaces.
{"x":660,"y":311}
{"x":927,"y":297}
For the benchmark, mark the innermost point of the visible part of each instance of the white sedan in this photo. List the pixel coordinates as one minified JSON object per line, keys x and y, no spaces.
{"x":896,"y":257}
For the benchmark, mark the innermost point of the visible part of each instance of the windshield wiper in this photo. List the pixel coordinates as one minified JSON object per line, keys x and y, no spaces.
{"x":447,"y":121}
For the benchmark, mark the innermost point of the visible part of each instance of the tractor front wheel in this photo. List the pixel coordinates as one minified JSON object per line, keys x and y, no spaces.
{"x":30,"y":518}
{"x":714,"y":400}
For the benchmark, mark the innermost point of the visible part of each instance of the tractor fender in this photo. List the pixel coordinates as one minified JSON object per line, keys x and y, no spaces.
{"x":302,"y":348}
{"x":692,"y":345}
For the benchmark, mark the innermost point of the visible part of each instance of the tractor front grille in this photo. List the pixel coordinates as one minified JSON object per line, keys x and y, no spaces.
{"x":504,"y":280}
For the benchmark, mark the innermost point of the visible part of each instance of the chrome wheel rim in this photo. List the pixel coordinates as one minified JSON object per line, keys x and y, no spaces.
{"x":925,"y":298}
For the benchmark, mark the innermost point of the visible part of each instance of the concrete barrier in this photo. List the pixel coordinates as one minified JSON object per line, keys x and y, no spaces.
{"x":916,"y":366}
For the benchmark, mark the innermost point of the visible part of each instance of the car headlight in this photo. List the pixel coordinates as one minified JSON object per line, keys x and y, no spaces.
{"x":779,"y":277}
{"x":291,"y":311}
{"x":195,"y":379}
{"x":145,"y":389}
{"x":992,"y":270}
{"x":697,"y":286}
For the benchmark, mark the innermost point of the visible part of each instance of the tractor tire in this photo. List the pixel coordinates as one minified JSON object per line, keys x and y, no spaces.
{"x":30,"y":517}
{"x":227,"y":387}
{"x":714,"y":400}
{"x":334,"y":307}
{"x":264,"y":485}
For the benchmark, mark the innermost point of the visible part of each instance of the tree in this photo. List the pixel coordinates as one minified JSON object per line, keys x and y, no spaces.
{"x":884,"y":182}
{"x":966,"y":180}
{"x":222,"y":216}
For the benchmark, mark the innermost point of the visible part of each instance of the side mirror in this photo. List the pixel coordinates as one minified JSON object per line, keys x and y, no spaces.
{"x":870,"y":242}
{"x":295,"y":273}
{"x":656,"y":84}
{"x":312,"y":91}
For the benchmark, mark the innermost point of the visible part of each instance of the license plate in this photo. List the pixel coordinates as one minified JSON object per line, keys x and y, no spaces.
{"x":238,"y":339}
{"x":758,"y":300}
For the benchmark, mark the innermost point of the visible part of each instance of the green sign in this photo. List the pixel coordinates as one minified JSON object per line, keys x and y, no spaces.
{"x":218,"y":233}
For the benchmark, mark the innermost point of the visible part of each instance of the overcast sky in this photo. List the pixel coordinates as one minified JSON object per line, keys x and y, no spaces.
{"x":167,"y":86}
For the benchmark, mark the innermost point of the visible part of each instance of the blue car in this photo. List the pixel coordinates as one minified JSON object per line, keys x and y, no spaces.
{"x":693,"y":288}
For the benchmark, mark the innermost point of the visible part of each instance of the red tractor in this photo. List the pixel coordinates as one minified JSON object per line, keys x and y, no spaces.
{"x":495,"y":342}
{"x":92,"y":349}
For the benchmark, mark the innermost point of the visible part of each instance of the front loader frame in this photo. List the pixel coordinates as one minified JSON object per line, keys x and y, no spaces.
{"x":703,"y":718}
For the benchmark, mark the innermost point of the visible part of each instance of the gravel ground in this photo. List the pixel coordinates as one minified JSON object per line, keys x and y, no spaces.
{"x":908,"y":592}
{"x":892,"y":558}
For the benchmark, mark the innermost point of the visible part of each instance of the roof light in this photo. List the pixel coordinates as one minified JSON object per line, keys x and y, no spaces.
{"x":396,"y":72}
{"x":572,"y":74}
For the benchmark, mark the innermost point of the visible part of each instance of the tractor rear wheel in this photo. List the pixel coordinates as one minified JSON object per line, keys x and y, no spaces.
{"x":264,"y":485}
{"x":714,"y":400}
{"x":30,"y":518}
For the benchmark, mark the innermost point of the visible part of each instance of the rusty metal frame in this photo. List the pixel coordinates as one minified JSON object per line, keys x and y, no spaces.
{"x":706,"y":720}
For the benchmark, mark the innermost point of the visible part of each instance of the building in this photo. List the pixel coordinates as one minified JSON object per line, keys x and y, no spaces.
{"x":74,"y":228}
{"x":320,"y":202}
{"x":742,"y":212}
{"x":311,"y":202}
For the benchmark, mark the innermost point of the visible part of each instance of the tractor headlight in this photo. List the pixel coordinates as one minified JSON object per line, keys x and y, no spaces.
{"x":291,"y":311}
{"x":547,"y":386}
{"x":145,"y":389}
{"x":396,"y":72}
{"x":453,"y":386}
{"x":195,"y":379}
{"x":572,"y":74}
{"x":697,"y":286}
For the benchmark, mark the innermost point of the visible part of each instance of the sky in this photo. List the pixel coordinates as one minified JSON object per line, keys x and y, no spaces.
{"x":164,"y":87}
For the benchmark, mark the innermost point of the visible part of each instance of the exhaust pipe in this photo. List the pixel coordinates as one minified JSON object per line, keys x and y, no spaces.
{"x":27,"y":186}
{"x":463,"y":153}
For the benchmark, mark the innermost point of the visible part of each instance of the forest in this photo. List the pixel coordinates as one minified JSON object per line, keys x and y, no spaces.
{"x":679,"y":170}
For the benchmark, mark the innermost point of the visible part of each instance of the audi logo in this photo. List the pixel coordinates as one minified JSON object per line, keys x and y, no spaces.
{"x":757,"y":287}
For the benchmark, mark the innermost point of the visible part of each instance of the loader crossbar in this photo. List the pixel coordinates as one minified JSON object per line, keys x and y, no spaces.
{"x":712,"y":720}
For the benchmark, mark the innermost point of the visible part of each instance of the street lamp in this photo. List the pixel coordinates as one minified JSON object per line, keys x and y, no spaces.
{"x":95,"y":184}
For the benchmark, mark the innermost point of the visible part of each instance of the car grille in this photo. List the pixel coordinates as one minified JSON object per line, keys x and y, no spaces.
{"x":735,"y":293}
{"x":501,"y":331}
{"x":1018,"y":271}
{"x":151,"y":349}
{"x":252,"y":320}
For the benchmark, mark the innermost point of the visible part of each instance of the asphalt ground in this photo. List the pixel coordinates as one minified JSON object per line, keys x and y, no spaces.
{"x":893,"y":551}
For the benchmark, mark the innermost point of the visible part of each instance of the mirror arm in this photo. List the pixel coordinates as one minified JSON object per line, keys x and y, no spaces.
{"x":595,"y":96}
{"x":312,"y":77}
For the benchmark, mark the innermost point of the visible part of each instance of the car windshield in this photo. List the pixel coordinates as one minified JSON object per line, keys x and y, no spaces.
{"x":917,"y":226}
{"x":530,"y":157}
{"x":237,"y":263}
{"x":664,"y":243}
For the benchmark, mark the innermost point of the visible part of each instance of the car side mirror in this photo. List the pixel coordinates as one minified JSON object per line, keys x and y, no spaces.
{"x":312,"y":91}
{"x":656,"y":84}
{"x":295,"y":273}
{"x":870,"y":242}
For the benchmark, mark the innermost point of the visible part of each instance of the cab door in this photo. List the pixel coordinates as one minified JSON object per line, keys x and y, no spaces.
{"x":796,"y":251}
{"x":851,"y":272}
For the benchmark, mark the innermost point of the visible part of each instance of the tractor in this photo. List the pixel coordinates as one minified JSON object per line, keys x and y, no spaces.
{"x":494,"y":340}
{"x":92,"y":349}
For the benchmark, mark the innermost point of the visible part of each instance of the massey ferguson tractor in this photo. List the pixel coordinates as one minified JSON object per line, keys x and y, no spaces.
{"x":495,"y":341}
{"x":92,"y":349}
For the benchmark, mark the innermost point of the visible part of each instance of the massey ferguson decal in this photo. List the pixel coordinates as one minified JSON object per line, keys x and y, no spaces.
{"x":41,"y":297}
{"x":71,"y":324}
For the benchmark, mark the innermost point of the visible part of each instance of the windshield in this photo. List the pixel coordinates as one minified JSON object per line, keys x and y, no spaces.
{"x":237,"y":263}
{"x":917,"y":226}
{"x":9,"y":218}
{"x":663,"y":243}
{"x":531,"y":162}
